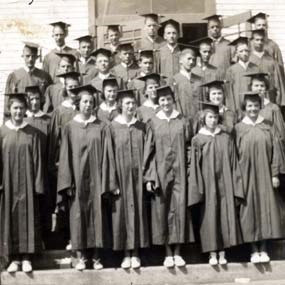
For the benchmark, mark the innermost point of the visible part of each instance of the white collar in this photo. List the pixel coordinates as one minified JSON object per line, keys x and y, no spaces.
{"x":243,"y":64}
{"x":148,"y":103}
{"x":172,"y":48}
{"x":121,"y":120}
{"x":105,"y":107}
{"x":82,"y":60}
{"x":142,"y":74}
{"x":11,"y":126}
{"x":216,"y":40}
{"x":223,"y":109}
{"x":103,"y":76}
{"x":68,"y":104}
{"x":39,"y":114}
{"x":126,"y":65}
{"x":258,"y":54}
{"x":185,"y":73}
{"x":60,"y":48}
{"x":248,"y":121}
{"x":204,"y":131}
{"x":150,"y":39}
{"x":29,"y":70}
{"x":266,"y":101}
{"x":161,"y":115}
{"x":77,"y":118}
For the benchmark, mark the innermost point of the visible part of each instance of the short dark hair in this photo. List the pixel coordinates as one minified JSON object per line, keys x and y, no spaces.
{"x":202,"y":117}
{"x":254,"y":99}
{"x":13,"y":100}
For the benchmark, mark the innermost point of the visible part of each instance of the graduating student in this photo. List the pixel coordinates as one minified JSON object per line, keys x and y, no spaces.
{"x":187,"y":85}
{"x":66,"y":63}
{"x":86,"y":64}
{"x":108,"y":109}
{"x":260,"y":22}
{"x":260,"y":214}
{"x":169,"y":53}
{"x":21,"y":186}
{"x":130,"y":227}
{"x":267,"y":64}
{"x":237,"y":82}
{"x":114,"y":35}
{"x":215,"y":184}
{"x":51,"y":60}
{"x":150,"y":106}
{"x":222,"y":52}
{"x":127,"y":69}
{"x":19,"y":79}
{"x":86,"y":171}
{"x":167,"y":159}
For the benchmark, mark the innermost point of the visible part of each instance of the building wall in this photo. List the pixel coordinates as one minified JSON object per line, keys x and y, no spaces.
{"x":20,"y":21}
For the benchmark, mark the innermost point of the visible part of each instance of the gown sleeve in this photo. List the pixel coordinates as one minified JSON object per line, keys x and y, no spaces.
{"x":37,"y":165}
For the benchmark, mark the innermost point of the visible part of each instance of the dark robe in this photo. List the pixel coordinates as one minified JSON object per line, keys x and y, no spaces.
{"x":105,"y":115}
{"x":22,"y":185}
{"x":51,"y":61}
{"x":129,"y":215}
{"x":87,"y":70}
{"x":127,"y":73}
{"x":188,"y":93}
{"x":276,"y":74}
{"x":260,"y":215}
{"x":222,"y":56}
{"x":237,"y":83}
{"x":145,"y":113}
{"x":216,"y":184}
{"x":86,"y":171}
{"x":54,"y":96}
{"x":167,"y":159}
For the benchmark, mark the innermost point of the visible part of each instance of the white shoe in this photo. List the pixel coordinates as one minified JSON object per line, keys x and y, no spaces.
{"x":213,"y":261}
{"x":126,"y":263}
{"x":13,"y":267}
{"x":179,"y":261}
{"x":80,"y":266}
{"x":263,"y":257}
{"x":69,"y":246}
{"x":97,"y":265}
{"x":136,"y":262}
{"x":27,"y":266}
{"x":222,"y":258}
{"x":168,"y":262}
{"x":255,"y":258}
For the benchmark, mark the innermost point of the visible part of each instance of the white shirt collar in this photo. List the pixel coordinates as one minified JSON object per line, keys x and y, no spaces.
{"x":82,"y":60}
{"x":39,"y":114}
{"x":258,"y":54}
{"x":243,"y":64}
{"x":223,"y":109}
{"x":121,"y":120}
{"x":68,"y":104}
{"x":248,"y":121}
{"x":161,"y":115}
{"x":204,"y":131}
{"x":77,"y":118}
{"x":29,"y":70}
{"x":172,"y":48}
{"x":11,"y":126}
{"x":148,"y":103}
{"x":103,"y":76}
{"x":266,"y":101}
{"x":185,"y":73}
{"x":105,"y":107}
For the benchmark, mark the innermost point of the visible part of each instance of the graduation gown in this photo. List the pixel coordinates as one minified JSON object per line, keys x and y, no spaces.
{"x":86,"y":171}
{"x":216,"y":184}
{"x":145,"y":112}
{"x":54,"y":96}
{"x":237,"y":83}
{"x":106,"y":115}
{"x":187,"y":93}
{"x":22,"y":183}
{"x":127,"y":73}
{"x":87,"y":70}
{"x":276,"y":74}
{"x":260,"y":214}
{"x":167,"y":159}
{"x":129,"y":215}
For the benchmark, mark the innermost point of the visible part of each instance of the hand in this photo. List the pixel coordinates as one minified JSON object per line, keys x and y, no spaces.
{"x":116,"y":192}
{"x":150,"y":187}
{"x":275,"y":182}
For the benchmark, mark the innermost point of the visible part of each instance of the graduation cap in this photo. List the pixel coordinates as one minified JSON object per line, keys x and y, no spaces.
{"x":201,"y":41}
{"x":101,"y":51}
{"x":19,"y":96}
{"x":213,"y":83}
{"x":125,"y":46}
{"x":164,"y":91}
{"x":61,"y":24}
{"x":84,"y":88}
{"x":70,"y":56}
{"x":33,"y":89}
{"x":251,"y":95}
{"x":70,"y":74}
{"x":256,"y":74}
{"x":32,"y":46}
{"x":210,"y":107}
{"x":114,"y":28}
{"x":86,"y":38}
{"x":171,"y":23}
{"x":146,"y":53}
{"x":260,"y":32}
{"x":153,"y":16}
{"x":239,"y":40}
{"x":130,"y":93}
{"x":213,"y":17}
{"x":259,"y":15}
{"x":152,"y":77}
{"x":110,"y":82}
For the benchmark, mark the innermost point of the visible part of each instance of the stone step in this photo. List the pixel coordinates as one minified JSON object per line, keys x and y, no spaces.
{"x":233,"y":273}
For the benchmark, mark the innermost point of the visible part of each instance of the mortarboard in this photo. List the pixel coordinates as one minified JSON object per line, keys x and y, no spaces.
{"x":260,"y":32}
{"x":210,"y":107}
{"x":213,"y":17}
{"x":101,"y":51}
{"x":152,"y":77}
{"x":259,"y":15}
{"x":86,"y":38}
{"x":199,"y":42}
{"x":70,"y":56}
{"x":164,"y":91}
{"x":172,"y":23}
{"x":33,"y":89}
{"x":125,"y":46}
{"x":239,"y":40}
{"x":61,"y":24}
{"x":153,"y":16}
{"x":70,"y":74}
{"x":114,"y":28}
{"x":146,"y":53}
{"x":19,"y":96}
{"x":130,"y":93}
{"x":110,"y":82}
{"x":250,"y":95}
{"x":32,"y":46}
{"x":84,"y":88}
{"x":212,"y":83}
{"x":256,"y":74}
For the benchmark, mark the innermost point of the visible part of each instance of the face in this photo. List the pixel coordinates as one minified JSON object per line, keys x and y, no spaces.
{"x":166,"y":103}
{"x":188,"y":61}
{"x":126,"y":56}
{"x":85,"y":49}
{"x":17,"y":110}
{"x":211,"y":120}
{"x":113,"y":37}
{"x":29,"y":57}
{"x":214,"y":29}
{"x":170,"y":35}
{"x":70,"y":84}
{"x":260,"y":24}
{"x":65,"y":65}
{"x":59,"y":36}
{"x":110,"y":93}
{"x":252,"y":108}
{"x":258,"y":42}
{"x":146,"y":65}
{"x":128,"y":106}
{"x":151,"y":27}
{"x":216,"y":96}
{"x":258,"y":86}
{"x":102,"y":63}
{"x":150,"y":90}
{"x":34,"y":102}
{"x":86,"y":103}
{"x":205,"y":52}
{"x":243,"y":52}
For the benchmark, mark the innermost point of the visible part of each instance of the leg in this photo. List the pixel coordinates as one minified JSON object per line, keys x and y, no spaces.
{"x":81,"y":256}
{"x":264,"y":258}
{"x":97,"y":265}
{"x":26,"y":263}
{"x":213,"y":261}
{"x":178,"y":260}
{"x":254,"y":253}
{"x":222,"y":258}
{"x":14,"y":265}
{"x":168,"y":261}
{"x":126,"y":263}
{"x":135,"y":260}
